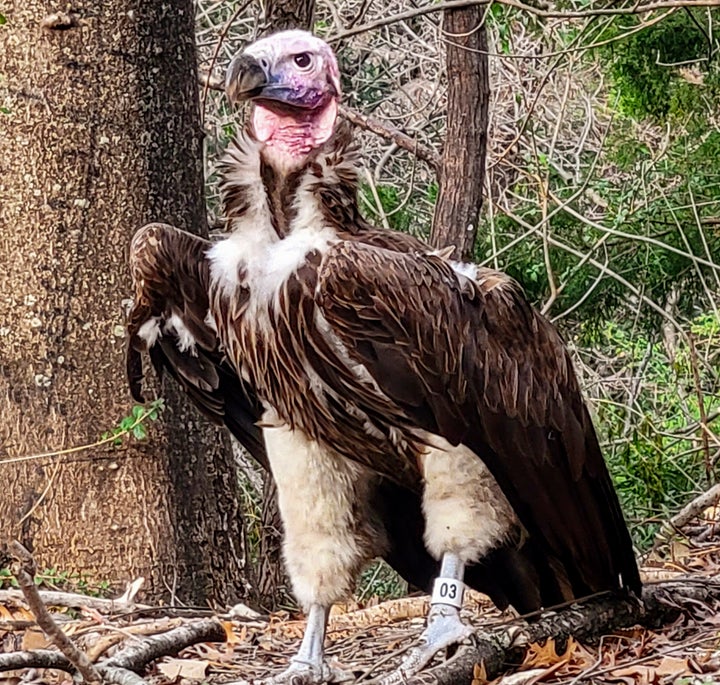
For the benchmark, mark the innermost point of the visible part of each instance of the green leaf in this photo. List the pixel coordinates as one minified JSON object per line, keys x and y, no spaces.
{"x":4,"y":110}
{"x":3,"y":19}
{"x":139,"y":432}
{"x":126,"y":423}
{"x":137,"y":411}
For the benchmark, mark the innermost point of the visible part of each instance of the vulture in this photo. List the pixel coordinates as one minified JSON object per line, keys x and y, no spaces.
{"x":408,"y":406}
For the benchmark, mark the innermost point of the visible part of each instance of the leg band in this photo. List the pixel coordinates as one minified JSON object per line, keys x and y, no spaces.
{"x":448,"y":591}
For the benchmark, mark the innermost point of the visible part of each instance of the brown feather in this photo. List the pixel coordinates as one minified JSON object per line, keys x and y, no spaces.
{"x":171,"y":276}
{"x":520,"y":410}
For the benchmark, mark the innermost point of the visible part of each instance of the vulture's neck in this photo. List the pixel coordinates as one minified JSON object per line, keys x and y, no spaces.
{"x":259,"y":189}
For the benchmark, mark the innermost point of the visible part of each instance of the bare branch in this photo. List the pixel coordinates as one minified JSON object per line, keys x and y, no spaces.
{"x":24,"y":571}
{"x":238,"y":10}
{"x":638,"y":8}
{"x":686,"y":514}
{"x":393,"y":135}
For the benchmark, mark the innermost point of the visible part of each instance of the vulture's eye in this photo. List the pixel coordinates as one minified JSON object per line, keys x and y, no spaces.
{"x":303,"y":60}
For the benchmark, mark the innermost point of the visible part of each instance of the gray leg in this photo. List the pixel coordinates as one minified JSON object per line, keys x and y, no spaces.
{"x":310,"y":655}
{"x":308,"y":666}
{"x":444,"y":627}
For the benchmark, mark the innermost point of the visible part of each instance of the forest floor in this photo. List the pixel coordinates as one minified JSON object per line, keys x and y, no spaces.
{"x":371,"y":640}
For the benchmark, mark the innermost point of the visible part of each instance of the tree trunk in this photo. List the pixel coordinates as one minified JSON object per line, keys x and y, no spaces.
{"x":463,"y":161}
{"x":272,"y":585}
{"x":99,"y":135}
{"x":288,"y":14}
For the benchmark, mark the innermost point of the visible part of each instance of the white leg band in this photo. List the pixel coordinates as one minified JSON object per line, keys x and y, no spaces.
{"x":448,"y":591}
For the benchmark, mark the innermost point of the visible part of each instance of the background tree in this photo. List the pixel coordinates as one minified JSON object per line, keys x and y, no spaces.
{"x":99,"y":134}
{"x":462,"y":174}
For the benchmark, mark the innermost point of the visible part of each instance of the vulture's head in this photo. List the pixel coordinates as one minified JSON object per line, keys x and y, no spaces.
{"x":293,"y":81}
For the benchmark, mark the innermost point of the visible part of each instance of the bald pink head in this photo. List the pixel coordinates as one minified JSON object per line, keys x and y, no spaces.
{"x":292,"y":77}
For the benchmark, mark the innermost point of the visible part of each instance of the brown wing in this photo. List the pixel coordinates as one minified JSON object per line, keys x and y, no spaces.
{"x":473,"y":362}
{"x":169,"y":321}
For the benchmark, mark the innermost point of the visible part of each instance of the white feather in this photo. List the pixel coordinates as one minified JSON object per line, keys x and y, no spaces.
{"x":150,"y":331}
{"x":185,"y":339}
{"x":466,"y":269}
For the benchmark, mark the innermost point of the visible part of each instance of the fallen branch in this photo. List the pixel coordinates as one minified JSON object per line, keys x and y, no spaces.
{"x":692,"y":509}
{"x":37,"y":658}
{"x":72,"y":600}
{"x":107,"y":642}
{"x":499,"y":647}
{"x":123,"y":667}
{"x":44,"y":658}
{"x":138,"y":656}
{"x":24,"y":571}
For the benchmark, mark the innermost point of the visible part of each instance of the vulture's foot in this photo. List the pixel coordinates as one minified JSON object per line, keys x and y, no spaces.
{"x":308,"y":673}
{"x":444,"y":629}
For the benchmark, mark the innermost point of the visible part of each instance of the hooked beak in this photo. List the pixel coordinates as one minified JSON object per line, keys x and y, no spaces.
{"x":245,"y":79}
{"x":249,"y":79}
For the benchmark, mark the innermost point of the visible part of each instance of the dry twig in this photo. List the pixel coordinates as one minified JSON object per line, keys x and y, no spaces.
{"x":692,"y":509}
{"x":24,"y":572}
{"x":393,"y":135}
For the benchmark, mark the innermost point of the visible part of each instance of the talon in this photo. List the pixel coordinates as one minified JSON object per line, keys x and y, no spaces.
{"x":444,"y":628}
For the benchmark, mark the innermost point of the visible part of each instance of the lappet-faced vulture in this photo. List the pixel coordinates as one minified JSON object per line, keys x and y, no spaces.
{"x":382,"y":375}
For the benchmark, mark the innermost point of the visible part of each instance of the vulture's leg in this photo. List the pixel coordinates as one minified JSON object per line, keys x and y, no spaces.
{"x":444,"y":627}
{"x":329,"y":536}
{"x":466,"y":516}
{"x":311,"y":648}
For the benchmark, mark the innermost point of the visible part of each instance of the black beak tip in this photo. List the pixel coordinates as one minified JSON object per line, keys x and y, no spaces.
{"x":245,"y":78}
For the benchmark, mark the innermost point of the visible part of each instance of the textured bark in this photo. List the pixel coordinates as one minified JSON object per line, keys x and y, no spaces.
{"x":463,"y":160}
{"x":272,"y":585}
{"x":102,"y":135}
{"x":289,"y":14}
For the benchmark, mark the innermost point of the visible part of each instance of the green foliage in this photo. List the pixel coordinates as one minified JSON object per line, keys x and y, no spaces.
{"x":645,"y":65}
{"x":7,"y":579}
{"x":678,"y":215}
{"x":66,"y":581}
{"x":380,"y":580}
{"x":321,"y":28}
{"x":653,"y":450}
{"x":3,"y":19}
{"x":371,"y":85}
{"x":136,"y":423}
{"x":398,"y":214}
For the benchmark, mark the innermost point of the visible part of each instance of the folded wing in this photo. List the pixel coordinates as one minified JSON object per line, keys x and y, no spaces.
{"x":469,"y":359}
{"x":170,"y":321}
